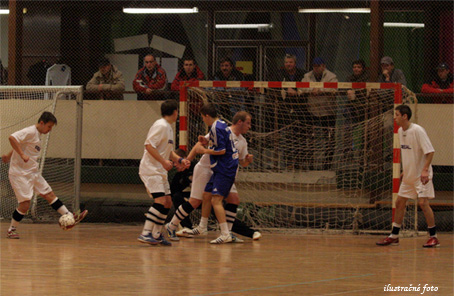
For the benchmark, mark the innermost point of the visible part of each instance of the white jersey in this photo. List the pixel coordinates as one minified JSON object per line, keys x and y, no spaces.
{"x":58,"y":74}
{"x":161,"y":137}
{"x":414,"y":144}
{"x":29,"y":139}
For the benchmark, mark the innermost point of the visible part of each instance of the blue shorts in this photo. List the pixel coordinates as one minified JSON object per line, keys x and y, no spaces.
{"x":220,"y":184}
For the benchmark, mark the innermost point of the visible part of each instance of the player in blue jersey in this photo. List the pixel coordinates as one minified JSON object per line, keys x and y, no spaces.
{"x":224,"y":164}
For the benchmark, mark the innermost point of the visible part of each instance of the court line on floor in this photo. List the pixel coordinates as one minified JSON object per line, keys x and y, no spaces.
{"x":288,"y":285}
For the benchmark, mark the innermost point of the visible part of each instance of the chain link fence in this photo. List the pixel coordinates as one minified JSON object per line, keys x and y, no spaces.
{"x":253,"y":40}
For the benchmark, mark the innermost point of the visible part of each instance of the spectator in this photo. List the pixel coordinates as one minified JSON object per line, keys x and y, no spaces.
{"x":389,"y":73}
{"x":189,"y":72}
{"x":321,"y":103}
{"x":360,"y":73}
{"x":227,"y":71}
{"x":149,"y":79}
{"x":235,"y":95}
{"x":442,"y":83}
{"x":3,"y":74}
{"x":108,"y":81}
{"x":290,"y":73}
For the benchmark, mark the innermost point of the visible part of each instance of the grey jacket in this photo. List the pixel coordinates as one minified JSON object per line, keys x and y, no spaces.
{"x":396,"y":76}
{"x":114,"y":82}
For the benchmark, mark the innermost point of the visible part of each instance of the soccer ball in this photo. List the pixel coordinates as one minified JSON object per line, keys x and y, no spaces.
{"x":65,"y":221}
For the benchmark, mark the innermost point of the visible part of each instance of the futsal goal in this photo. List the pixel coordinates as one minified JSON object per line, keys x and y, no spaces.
{"x":323,"y":152}
{"x":60,"y":160}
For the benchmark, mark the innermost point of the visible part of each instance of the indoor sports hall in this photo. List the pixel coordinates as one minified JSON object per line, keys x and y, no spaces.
{"x":325,"y":202}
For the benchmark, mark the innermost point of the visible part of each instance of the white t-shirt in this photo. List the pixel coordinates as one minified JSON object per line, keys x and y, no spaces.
{"x":161,"y":137}
{"x":29,"y":139}
{"x":58,"y":74}
{"x":414,"y":144}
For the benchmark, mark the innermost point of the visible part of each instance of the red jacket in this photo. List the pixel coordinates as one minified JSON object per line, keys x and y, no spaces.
{"x":196,"y":75}
{"x":155,"y":80}
{"x":438,"y":86}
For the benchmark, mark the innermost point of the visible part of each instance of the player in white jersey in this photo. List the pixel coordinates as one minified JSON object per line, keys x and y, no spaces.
{"x":156,"y":161}
{"x":416,"y":178}
{"x":24,"y":174}
{"x":202,"y":174}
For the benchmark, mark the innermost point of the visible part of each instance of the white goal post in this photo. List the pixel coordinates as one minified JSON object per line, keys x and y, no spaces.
{"x":322,"y":160}
{"x":60,"y":160}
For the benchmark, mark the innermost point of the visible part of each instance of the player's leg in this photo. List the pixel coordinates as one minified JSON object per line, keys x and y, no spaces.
{"x":427,"y":192}
{"x":181,"y":213}
{"x":179,"y":198}
{"x":406,"y":191}
{"x":220,"y":186}
{"x":23,"y":189}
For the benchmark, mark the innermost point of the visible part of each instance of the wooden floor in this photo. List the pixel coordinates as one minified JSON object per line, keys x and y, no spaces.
{"x":106,"y":259}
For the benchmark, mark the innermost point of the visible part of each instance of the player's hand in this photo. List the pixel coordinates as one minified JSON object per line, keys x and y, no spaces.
{"x":199,"y":149}
{"x":25,"y":157}
{"x":6,"y":158}
{"x":203,"y":140}
{"x":168,"y":165}
{"x":185,"y":163}
{"x":291,"y":92}
{"x":425,"y":177}
{"x":249,"y":158}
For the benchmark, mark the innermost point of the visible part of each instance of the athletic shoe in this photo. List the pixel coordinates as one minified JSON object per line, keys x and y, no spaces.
{"x":148,"y":239}
{"x":222,"y":239}
{"x":256,"y":236}
{"x":78,"y":216}
{"x":433,"y":242}
{"x":388,"y":241}
{"x":171,"y":234}
{"x":236,"y":239}
{"x":197,"y":231}
{"x":163,"y":241}
{"x":184,"y":233}
{"x":12,"y":234}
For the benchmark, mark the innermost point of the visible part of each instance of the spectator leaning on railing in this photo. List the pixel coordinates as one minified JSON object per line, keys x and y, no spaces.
{"x":108,"y":80}
{"x":189,"y":72}
{"x":150,"y":78}
{"x":442,"y":82}
{"x":389,"y":73}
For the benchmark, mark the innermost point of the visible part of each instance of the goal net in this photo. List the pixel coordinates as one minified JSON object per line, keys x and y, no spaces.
{"x":323,"y":152}
{"x":20,"y":107}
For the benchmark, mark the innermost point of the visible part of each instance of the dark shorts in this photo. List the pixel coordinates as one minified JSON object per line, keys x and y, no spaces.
{"x":220,"y":184}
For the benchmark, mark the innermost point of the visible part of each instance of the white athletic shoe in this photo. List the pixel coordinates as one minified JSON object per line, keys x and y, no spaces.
{"x":222,"y":239}
{"x":197,"y":231}
{"x":256,"y":236}
{"x":184,"y":233}
{"x":236,"y":239}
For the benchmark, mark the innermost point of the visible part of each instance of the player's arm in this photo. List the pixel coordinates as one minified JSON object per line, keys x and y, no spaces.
{"x":167,"y":164}
{"x":7,"y":157}
{"x":179,"y":162}
{"x":247,"y":160}
{"x":425,"y":169}
{"x":16,"y":146}
{"x":204,"y":150}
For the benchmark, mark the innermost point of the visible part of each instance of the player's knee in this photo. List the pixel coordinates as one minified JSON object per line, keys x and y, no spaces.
{"x":233,"y":198}
{"x":423,"y":202}
{"x":216,"y":200}
{"x":24,"y":206}
{"x":195,"y":203}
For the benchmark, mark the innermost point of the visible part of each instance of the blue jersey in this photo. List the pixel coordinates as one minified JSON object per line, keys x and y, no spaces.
{"x":221,"y":139}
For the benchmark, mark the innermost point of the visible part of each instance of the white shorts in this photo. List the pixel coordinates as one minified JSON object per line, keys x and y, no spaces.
{"x":417,"y":190}
{"x":156,"y":184}
{"x":25,"y":186}
{"x":200,"y":178}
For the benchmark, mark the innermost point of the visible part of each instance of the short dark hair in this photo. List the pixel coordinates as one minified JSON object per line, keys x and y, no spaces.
{"x":181,"y":152}
{"x":209,"y":109}
{"x":47,"y":117}
{"x":226,"y":60}
{"x":168,"y":107}
{"x":103,"y":62}
{"x":404,"y":109}
{"x":240,"y":115}
{"x":189,"y":58}
{"x":359,"y":62}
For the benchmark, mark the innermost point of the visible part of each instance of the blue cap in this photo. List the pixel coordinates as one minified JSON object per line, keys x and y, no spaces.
{"x":318,"y":61}
{"x":443,"y":66}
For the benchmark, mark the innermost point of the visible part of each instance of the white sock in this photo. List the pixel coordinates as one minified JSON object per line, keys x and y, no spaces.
{"x":147,"y":227}
{"x":224,"y":229}
{"x":203,"y":223}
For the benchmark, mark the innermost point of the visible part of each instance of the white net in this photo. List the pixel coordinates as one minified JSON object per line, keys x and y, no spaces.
{"x":21,"y":106}
{"x":321,"y":160}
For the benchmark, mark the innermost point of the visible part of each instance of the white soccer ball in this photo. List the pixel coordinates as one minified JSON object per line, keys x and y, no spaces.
{"x":66,"y":220}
